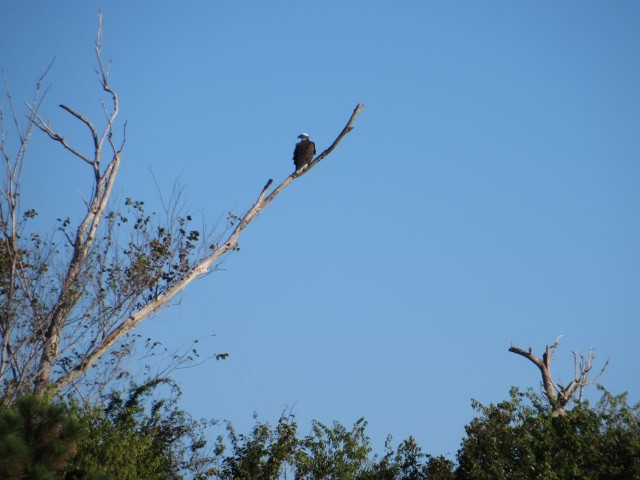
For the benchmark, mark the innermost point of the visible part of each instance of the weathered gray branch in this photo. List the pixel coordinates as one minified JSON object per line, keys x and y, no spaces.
{"x":202,"y":268}
{"x":558,"y":395}
{"x":13,"y":357}
{"x":44,"y":126}
{"x":70,"y":292}
{"x":583,"y":367}
{"x":99,"y":294}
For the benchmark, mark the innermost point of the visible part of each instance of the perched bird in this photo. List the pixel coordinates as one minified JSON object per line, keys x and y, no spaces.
{"x":304,"y":152}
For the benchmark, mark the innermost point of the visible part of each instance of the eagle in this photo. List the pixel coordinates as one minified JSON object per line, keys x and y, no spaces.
{"x":304,"y":152}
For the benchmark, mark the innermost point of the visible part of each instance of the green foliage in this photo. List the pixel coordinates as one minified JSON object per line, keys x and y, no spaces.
{"x":134,"y":437}
{"x":264,"y":454}
{"x":520,"y":438}
{"x":38,"y":438}
{"x":408,"y":462}
{"x":138,"y":437}
{"x":327,"y":452}
{"x":270,"y":453}
{"x":333,"y":452}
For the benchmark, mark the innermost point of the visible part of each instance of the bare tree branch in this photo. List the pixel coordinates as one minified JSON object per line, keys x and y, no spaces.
{"x":16,"y":353}
{"x":202,"y":268}
{"x":71,"y":292}
{"x":94,"y":132}
{"x":67,"y":306}
{"x":583,"y":367}
{"x":557,"y":395}
{"x":42,"y":125}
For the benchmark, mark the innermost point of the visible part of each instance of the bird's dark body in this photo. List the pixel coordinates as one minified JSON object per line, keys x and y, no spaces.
{"x":303,"y":153}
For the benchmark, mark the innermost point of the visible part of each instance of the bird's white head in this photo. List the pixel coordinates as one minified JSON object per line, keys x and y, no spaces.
{"x":304,"y":136}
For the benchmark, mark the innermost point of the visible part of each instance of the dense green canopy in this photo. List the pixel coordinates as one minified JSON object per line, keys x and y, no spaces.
{"x":144,"y":438}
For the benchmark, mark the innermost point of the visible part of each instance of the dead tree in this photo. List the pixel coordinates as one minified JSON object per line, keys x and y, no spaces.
{"x":58,"y":320}
{"x":558,"y":395}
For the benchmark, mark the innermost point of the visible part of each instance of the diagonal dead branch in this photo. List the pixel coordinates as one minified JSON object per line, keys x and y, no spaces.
{"x":199,"y":270}
{"x":94,"y":132}
{"x":347,"y":128}
{"x":543,"y":365}
{"x":42,"y":125}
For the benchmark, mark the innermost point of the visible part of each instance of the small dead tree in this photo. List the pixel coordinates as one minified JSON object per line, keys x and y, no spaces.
{"x":63,"y":309}
{"x":558,"y":395}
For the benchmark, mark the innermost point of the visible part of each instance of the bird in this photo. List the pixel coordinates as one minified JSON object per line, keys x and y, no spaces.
{"x":304,"y":152}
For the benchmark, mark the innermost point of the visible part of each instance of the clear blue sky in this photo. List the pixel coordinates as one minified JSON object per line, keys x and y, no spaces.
{"x":490,"y":192}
